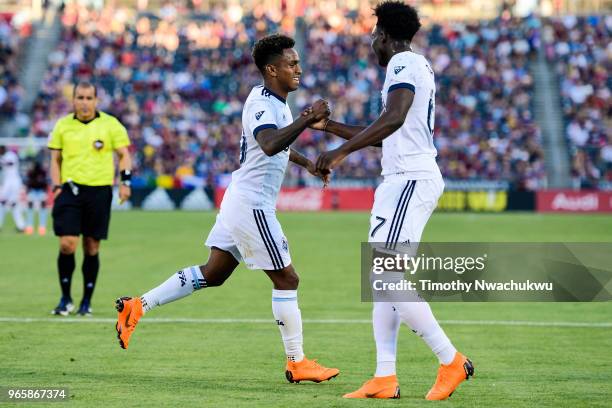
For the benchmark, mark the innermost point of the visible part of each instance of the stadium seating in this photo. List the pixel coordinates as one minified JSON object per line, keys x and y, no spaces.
{"x":580,"y":49}
{"x":484,"y":126}
{"x":10,"y":92}
{"x":177,"y":81}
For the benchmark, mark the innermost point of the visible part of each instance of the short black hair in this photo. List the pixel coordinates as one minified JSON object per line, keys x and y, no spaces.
{"x":84,"y":84}
{"x":398,"y":20}
{"x":270,"y":47}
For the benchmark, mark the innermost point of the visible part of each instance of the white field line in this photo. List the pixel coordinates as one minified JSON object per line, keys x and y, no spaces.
{"x":155,"y":320}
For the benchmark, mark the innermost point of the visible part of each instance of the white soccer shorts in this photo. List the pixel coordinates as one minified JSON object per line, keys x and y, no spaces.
{"x":401,"y":209}
{"x":251,"y":235}
{"x":10,"y":191}
{"x":37,"y":196}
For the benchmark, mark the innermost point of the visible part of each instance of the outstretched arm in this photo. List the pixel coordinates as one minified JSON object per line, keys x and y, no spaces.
{"x":272,"y":140}
{"x":346,"y":132}
{"x":298,"y":158}
{"x":398,"y":104}
{"x":301,"y":160}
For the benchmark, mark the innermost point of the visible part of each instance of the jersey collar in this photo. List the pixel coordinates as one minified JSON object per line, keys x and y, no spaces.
{"x":280,"y":98}
{"x":74,"y":116}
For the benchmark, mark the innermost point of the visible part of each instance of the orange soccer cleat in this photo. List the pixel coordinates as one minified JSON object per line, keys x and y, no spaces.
{"x":378,"y":387}
{"x":449,"y":377}
{"x":42,"y":231}
{"x":28,"y":230}
{"x":130,"y":311}
{"x":309,"y":370}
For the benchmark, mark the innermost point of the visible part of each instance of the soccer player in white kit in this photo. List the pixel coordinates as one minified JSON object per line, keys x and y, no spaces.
{"x":408,"y":195}
{"x":11,"y":188}
{"x":246,"y":228}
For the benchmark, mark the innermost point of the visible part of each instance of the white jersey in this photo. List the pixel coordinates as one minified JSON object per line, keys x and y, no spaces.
{"x":259,"y":178}
{"x":11,"y":186}
{"x":410,"y":151}
{"x":10,"y":167}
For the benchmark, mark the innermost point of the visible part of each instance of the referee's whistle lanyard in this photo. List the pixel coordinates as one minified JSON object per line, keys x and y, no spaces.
{"x":73,"y":187}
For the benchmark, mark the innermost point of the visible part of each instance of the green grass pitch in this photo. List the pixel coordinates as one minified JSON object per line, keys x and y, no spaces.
{"x":241,"y":363}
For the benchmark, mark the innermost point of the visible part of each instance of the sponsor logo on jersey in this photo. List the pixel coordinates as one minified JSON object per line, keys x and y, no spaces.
{"x":398,"y":69}
{"x":258,"y":115}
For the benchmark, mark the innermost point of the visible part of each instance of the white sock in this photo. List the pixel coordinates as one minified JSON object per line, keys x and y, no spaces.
{"x":179,"y":285}
{"x":2,"y":210}
{"x":18,"y":216}
{"x":289,"y":320}
{"x":42,"y":217}
{"x":385,"y":322}
{"x":418,"y":316}
{"x":30,"y":217}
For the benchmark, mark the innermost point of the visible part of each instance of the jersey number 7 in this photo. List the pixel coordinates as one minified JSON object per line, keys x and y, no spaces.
{"x":380,"y":224}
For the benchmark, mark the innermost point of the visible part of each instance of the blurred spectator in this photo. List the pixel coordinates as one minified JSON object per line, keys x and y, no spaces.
{"x":581,"y":51}
{"x":11,"y":35}
{"x":177,"y":81}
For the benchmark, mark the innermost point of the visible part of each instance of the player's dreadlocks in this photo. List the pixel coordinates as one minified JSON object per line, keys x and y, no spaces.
{"x":270,"y":47}
{"x":400,"y":21}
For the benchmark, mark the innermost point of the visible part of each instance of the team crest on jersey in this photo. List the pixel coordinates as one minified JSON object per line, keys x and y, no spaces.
{"x":399,"y":69}
{"x":285,"y":245}
{"x":258,"y":115}
{"x":98,"y":144}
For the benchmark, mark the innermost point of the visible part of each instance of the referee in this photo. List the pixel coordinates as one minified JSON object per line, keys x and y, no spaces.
{"x":82,"y":172}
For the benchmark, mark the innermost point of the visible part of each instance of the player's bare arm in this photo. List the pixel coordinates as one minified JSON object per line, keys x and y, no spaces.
{"x":398,"y":104}
{"x":273,"y":141}
{"x":125,"y":166}
{"x":55,"y":171}
{"x":346,"y":132}
{"x":301,"y":160}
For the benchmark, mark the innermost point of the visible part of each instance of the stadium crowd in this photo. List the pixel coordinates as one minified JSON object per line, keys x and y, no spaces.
{"x":11,"y":36}
{"x":484,"y":127}
{"x":581,"y":50}
{"x":177,"y":81}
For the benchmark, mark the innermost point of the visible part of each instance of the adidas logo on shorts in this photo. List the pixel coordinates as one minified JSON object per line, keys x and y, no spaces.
{"x":258,"y":115}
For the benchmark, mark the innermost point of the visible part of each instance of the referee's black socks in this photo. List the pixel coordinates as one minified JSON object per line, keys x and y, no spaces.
{"x":91,"y":265}
{"x":65,"y":266}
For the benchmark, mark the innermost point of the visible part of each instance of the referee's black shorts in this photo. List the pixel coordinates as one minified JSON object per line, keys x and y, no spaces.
{"x":86,"y":213}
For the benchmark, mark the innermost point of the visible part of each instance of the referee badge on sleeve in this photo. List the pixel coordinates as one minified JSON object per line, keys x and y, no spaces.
{"x":98,"y":144}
